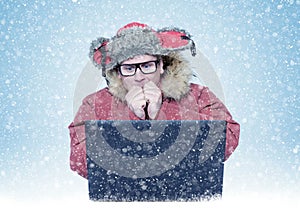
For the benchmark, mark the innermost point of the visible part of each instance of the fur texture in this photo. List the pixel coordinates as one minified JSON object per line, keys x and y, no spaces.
{"x":131,"y":42}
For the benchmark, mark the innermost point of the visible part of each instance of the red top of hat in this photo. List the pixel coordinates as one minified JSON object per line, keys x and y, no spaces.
{"x":133,"y":24}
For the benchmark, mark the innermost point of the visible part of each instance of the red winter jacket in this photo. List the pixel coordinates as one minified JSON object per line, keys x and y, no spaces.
{"x":198,"y":103}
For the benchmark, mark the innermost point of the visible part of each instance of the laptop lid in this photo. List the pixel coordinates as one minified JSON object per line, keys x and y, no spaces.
{"x":155,"y":160}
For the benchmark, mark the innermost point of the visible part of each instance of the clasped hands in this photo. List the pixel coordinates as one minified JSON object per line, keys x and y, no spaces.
{"x":138,"y":97}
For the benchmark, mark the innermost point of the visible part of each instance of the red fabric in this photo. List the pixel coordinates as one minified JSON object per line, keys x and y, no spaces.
{"x":172,"y":39}
{"x":199,"y":104}
{"x":97,"y":57}
{"x":133,"y":24}
{"x":98,"y":54}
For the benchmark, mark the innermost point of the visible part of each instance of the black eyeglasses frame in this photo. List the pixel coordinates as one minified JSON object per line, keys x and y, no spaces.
{"x":137,"y":65}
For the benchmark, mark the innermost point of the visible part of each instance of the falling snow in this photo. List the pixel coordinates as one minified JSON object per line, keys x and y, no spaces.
{"x":253,"y":48}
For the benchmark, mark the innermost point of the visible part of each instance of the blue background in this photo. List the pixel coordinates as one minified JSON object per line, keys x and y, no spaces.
{"x":252,"y":45}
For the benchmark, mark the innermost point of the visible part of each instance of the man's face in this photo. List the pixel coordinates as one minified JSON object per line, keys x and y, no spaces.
{"x":140,"y":79}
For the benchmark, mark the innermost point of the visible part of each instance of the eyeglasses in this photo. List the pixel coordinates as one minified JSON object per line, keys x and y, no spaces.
{"x":148,"y":67}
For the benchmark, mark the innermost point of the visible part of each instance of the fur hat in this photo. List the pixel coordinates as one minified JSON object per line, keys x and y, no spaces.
{"x":138,"y":39}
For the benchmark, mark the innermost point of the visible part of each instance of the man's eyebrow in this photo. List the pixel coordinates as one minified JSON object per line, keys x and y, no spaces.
{"x":138,"y":63}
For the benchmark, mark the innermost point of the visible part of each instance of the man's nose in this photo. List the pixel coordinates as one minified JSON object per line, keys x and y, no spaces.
{"x":139,"y":75}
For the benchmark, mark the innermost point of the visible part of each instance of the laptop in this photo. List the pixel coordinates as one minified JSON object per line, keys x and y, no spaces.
{"x":159,"y":160}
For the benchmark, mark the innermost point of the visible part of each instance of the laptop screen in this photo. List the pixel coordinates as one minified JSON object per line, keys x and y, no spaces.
{"x":155,"y":160}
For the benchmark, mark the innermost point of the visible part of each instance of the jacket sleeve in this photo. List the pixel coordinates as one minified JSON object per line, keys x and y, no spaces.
{"x":77,"y":134}
{"x":211,"y":107}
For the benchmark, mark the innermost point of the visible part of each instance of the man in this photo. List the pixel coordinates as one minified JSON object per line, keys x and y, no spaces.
{"x":148,"y":79}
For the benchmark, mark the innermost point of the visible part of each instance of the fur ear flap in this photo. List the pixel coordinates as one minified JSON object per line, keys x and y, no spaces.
{"x":98,"y":53}
{"x":176,"y":39}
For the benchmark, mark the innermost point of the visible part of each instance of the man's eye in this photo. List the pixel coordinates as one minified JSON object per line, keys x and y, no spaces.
{"x":147,"y":65}
{"x":128,"y":68}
